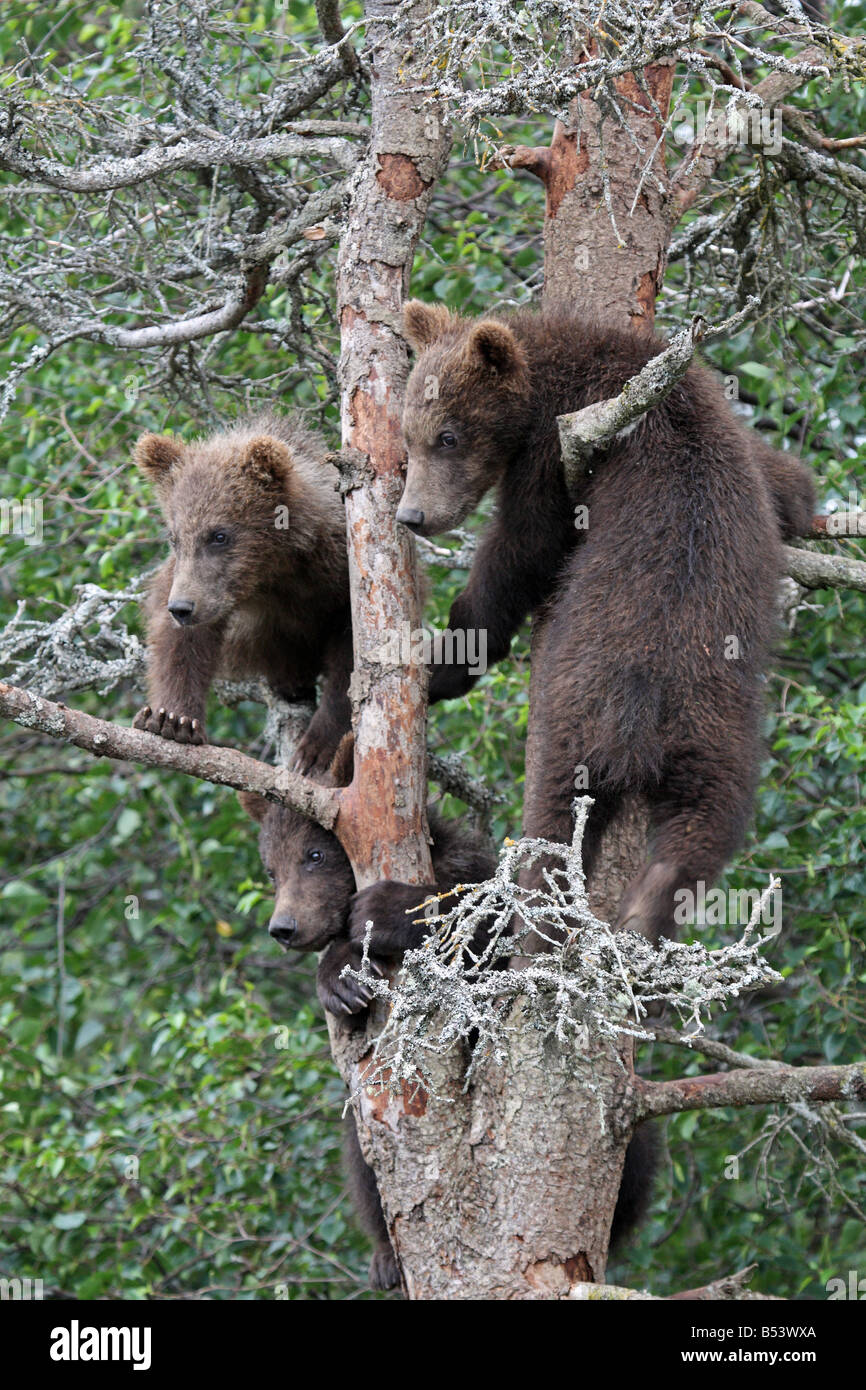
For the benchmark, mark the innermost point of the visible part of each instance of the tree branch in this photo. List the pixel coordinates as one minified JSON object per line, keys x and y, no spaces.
{"x":224,"y":766}
{"x":582,"y":431}
{"x":731,"y":1287}
{"x":187,"y":154}
{"x":815,"y":571}
{"x":702,"y":163}
{"x":752,"y":1086}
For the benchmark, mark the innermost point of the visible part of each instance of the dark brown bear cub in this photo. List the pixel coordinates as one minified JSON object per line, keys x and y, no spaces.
{"x":257,"y":582}
{"x":662,"y":570}
{"x":316,"y":907}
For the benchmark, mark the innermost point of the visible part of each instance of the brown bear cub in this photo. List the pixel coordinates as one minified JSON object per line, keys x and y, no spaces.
{"x":316,"y":907}
{"x":791,"y":487}
{"x":257,"y":583}
{"x":662,"y":570}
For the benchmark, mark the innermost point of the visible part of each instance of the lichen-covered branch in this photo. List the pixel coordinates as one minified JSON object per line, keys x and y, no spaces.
{"x":595,"y":425}
{"x":159,"y":161}
{"x":89,"y":647}
{"x":729,"y":1288}
{"x":192,"y":218}
{"x":816,"y":571}
{"x":224,"y":766}
{"x":591,"y":982}
{"x":520,"y":49}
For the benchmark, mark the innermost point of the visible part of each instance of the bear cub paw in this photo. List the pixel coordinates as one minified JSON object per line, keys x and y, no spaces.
{"x":384,"y":1270}
{"x":178,"y":728}
{"x":315,"y":751}
{"x":346,"y":995}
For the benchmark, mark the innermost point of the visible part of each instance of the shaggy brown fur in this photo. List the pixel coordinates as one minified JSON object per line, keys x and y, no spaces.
{"x":316,"y":906}
{"x":364,"y":1196}
{"x":257,"y":583}
{"x":662,"y":607}
{"x":791,"y":487}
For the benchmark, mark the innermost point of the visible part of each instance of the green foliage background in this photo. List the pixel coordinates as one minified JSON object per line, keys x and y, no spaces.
{"x":169,"y":1115}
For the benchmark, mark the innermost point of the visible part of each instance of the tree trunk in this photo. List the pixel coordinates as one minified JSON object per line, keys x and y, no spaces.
{"x":382,"y":821}
{"x":504,"y":1191}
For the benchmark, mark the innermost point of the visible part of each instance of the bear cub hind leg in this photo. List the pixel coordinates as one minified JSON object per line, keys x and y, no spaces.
{"x":698,"y":818}
{"x":361,"y":1180}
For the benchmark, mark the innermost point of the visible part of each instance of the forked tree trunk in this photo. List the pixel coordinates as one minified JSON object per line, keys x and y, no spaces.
{"x":505,"y":1191}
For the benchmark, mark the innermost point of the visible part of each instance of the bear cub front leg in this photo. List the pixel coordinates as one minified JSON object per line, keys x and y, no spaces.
{"x":182,"y":661}
{"x":389,"y":905}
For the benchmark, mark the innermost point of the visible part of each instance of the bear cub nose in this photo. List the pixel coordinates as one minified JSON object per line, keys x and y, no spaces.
{"x":411,"y":517}
{"x":283,"y":929}
{"x":181,"y":609}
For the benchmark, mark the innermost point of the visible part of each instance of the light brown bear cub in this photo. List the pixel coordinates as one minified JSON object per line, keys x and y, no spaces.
{"x":257,"y":581}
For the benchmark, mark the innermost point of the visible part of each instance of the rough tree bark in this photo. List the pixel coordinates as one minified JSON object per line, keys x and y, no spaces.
{"x":458,"y":1172}
{"x":382,"y":820}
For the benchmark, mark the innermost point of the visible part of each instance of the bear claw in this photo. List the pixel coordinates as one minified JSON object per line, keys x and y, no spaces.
{"x":313,"y":755}
{"x":338,"y":993}
{"x":178,"y":728}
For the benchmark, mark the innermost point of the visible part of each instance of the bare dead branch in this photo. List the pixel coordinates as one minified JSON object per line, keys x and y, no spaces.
{"x":731,"y":1286}
{"x":584,"y":430}
{"x":815,"y":571}
{"x":188,"y":154}
{"x":751,"y":1086}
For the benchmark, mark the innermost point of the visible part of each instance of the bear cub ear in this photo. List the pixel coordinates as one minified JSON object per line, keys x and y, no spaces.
{"x":255,"y":805}
{"x":424,"y":323}
{"x":267,"y":460}
{"x":157,"y":454}
{"x":494,"y":347}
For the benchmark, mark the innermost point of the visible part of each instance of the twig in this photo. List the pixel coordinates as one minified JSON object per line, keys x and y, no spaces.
{"x":751,"y":1086}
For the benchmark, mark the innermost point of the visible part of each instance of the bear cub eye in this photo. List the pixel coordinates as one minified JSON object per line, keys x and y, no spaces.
{"x":218,"y":538}
{"x":447,"y":440}
{"x":314,"y":856}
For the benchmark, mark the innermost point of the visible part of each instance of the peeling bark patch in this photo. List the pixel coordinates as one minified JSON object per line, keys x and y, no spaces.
{"x":579,"y":1270}
{"x":569,"y":161}
{"x":399,"y":178}
{"x":553,"y":1278}
{"x":646,"y":298}
{"x":377,"y":427}
{"x":413,"y":1097}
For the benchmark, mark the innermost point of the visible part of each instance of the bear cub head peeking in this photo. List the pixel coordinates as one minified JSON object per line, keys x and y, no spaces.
{"x":467,"y":407}
{"x":235,"y":504}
